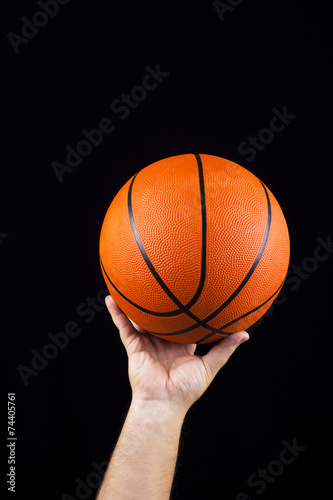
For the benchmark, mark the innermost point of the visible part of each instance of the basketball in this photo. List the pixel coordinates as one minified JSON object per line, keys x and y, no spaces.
{"x":193,"y":248}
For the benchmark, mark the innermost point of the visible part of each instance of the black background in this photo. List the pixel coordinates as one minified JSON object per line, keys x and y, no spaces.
{"x":225,"y":77}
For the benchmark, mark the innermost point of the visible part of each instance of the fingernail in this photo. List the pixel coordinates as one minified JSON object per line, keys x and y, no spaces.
{"x":244,"y":339}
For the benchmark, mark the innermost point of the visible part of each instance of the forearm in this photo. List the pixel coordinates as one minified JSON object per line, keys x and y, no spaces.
{"x":143,"y":463}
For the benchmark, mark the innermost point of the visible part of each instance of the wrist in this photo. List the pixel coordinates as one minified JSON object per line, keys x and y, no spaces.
{"x":157,"y":414}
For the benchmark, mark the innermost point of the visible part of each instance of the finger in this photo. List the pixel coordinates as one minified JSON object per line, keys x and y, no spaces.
{"x":120,"y":320}
{"x":221,"y":352}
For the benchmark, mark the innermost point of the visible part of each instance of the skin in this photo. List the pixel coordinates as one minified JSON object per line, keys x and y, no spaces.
{"x":166,"y":379}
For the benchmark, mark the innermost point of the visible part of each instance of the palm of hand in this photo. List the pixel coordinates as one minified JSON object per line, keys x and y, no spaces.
{"x":159,"y":369}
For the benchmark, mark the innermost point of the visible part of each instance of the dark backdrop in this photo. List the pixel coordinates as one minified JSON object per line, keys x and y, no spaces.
{"x":224,"y":69}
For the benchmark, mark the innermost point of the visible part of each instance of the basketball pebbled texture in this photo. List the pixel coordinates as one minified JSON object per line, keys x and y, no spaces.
{"x":193,"y":248}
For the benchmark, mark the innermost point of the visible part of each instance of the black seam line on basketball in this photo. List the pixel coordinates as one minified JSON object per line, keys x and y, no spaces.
{"x":203,"y":234}
{"x":243,"y":283}
{"x":143,"y":252}
{"x":203,"y":242}
{"x":219,"y":330}
{"x":254,"y":265}
{"x":163,"y":314}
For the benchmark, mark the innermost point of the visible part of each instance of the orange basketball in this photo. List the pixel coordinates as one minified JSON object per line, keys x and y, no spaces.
{"x":193,"y":248}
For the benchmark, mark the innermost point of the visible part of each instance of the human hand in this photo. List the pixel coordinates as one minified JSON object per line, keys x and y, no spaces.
{"x":167,"y":371}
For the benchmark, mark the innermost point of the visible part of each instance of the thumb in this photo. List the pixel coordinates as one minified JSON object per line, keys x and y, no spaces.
{"x":221,"y":352}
